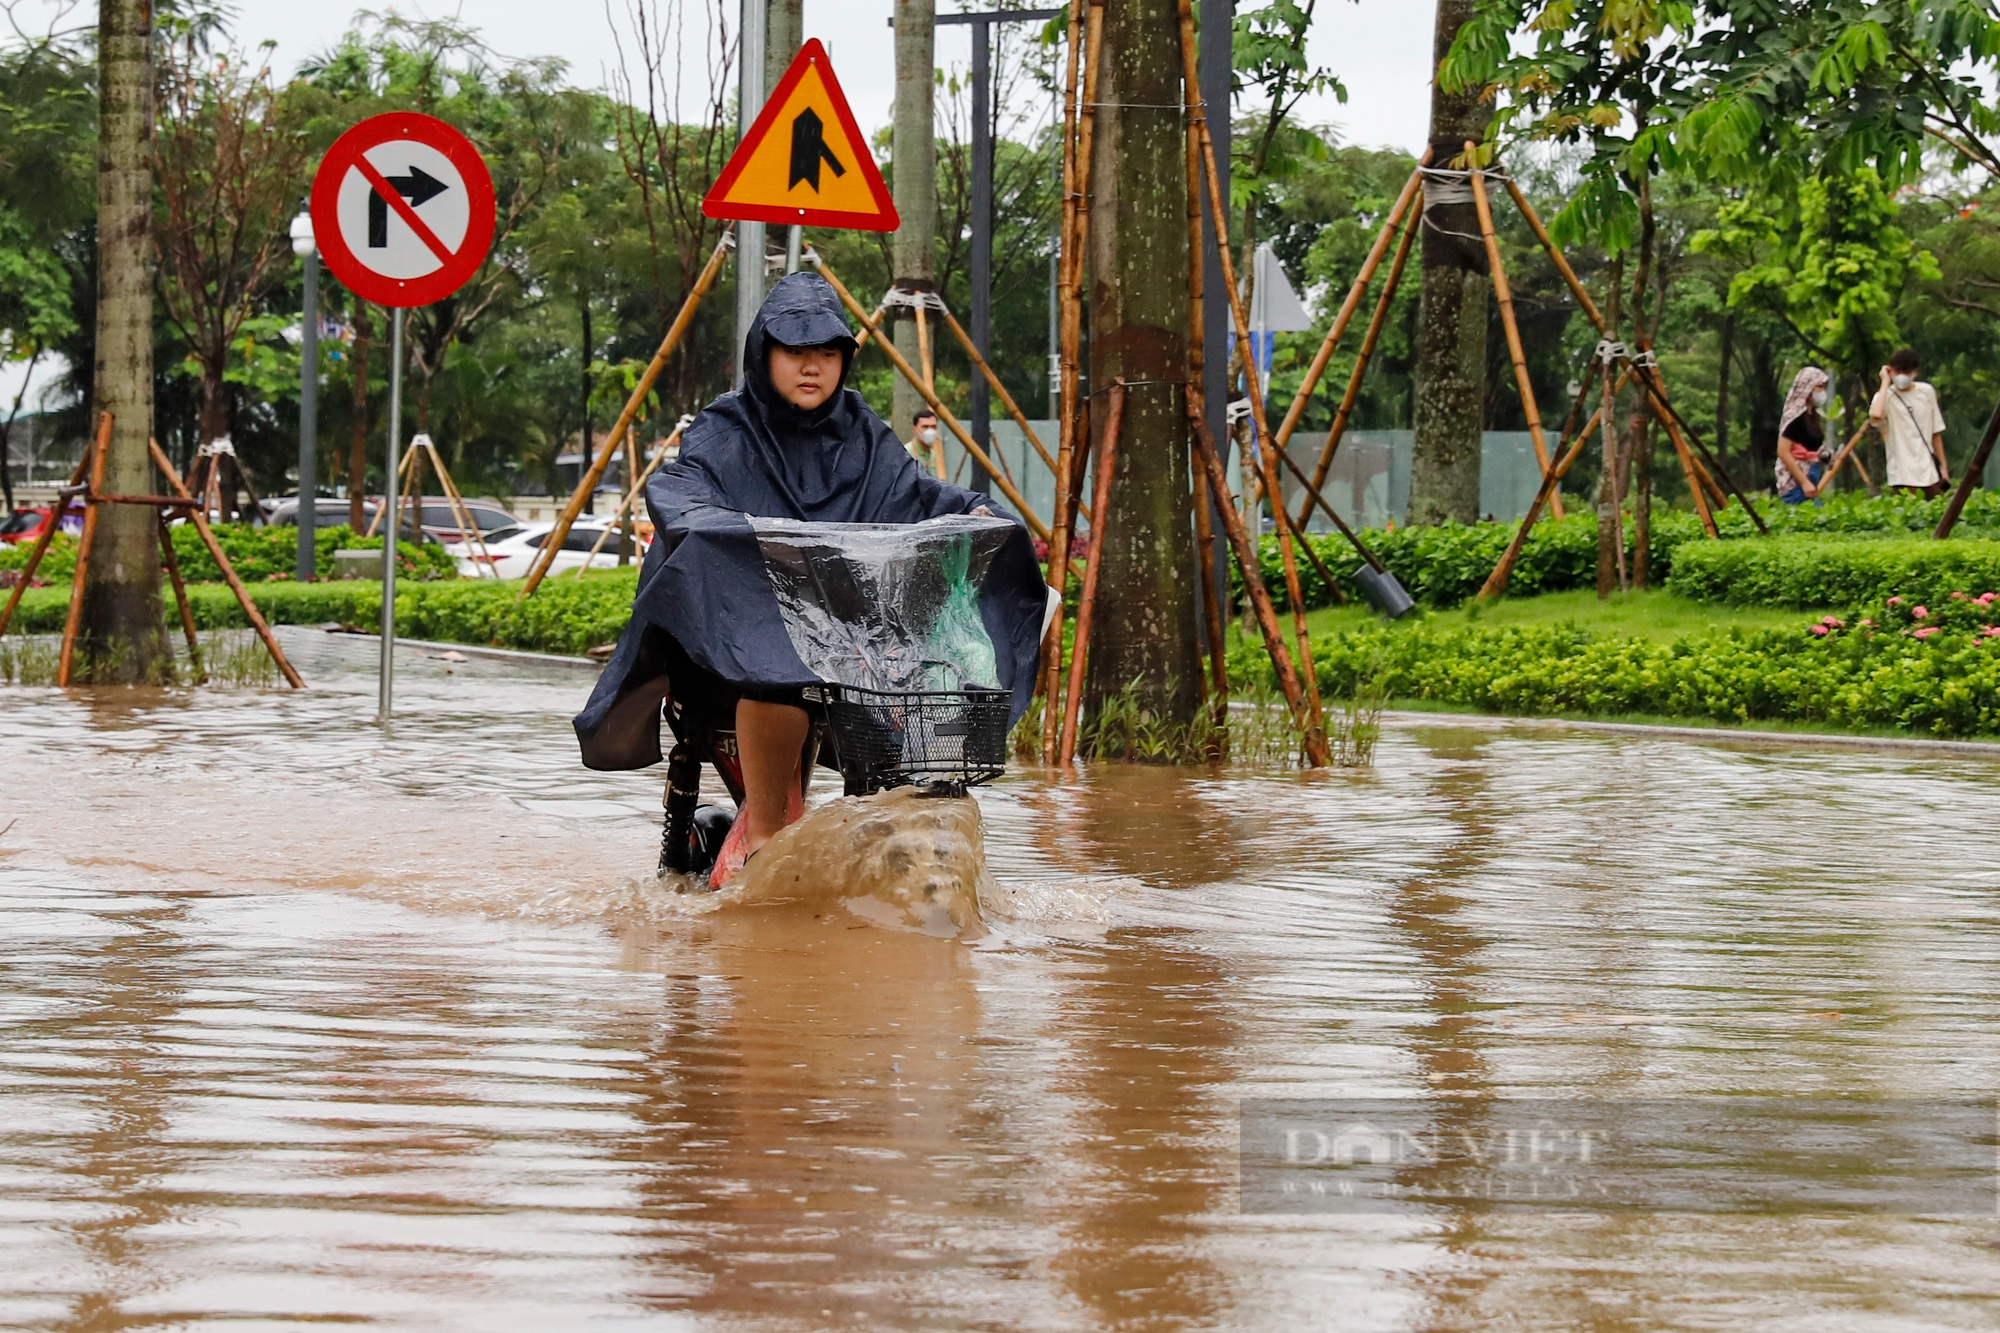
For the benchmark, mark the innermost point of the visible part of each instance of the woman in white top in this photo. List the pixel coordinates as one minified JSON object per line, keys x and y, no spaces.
{"x":1905,"y":410}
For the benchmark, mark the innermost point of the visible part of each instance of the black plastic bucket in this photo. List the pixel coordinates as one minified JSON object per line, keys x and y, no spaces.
{"x":1383,"y":592}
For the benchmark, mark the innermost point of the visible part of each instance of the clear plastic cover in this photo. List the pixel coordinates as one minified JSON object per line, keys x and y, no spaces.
{"x":885,"y":606}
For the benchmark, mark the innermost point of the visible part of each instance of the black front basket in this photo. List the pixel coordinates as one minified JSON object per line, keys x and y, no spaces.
{"x":941,"y":740}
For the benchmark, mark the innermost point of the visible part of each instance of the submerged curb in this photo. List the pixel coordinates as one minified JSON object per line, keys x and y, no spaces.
{"x":469,"y":649}
{"x":1845,"y":741}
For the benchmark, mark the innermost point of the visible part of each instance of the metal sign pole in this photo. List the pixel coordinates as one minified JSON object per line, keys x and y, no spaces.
{"x":306,"y":514}
{"x":391,"y":523}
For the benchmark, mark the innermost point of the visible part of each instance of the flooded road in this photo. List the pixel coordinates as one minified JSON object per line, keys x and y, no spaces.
{"x":300,"y":1024}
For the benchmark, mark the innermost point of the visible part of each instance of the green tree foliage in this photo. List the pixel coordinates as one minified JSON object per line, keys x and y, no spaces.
{"x":1831,"y":264}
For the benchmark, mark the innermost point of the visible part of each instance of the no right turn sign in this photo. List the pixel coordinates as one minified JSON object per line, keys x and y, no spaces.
{"x":402,"y":207}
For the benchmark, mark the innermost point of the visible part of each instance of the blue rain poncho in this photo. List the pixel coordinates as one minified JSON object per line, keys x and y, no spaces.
{"x":771,"y":566}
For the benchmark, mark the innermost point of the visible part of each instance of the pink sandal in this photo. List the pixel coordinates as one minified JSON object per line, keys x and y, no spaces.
{"x":733,"y":856}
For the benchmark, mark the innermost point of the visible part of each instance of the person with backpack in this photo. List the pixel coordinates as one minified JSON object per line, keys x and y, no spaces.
{"x":1905,"y":410}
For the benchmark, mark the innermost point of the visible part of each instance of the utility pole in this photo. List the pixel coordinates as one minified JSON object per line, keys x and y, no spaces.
{"x":914,"y":183}
{"x":307,"y":513}
{"x":750,"y":93}
{"x":124,"y":637}
{"x":980,"y":316}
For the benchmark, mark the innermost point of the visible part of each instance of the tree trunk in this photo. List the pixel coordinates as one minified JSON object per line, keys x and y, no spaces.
{"x":1722,"y":389}
{"x":1607,"y":479}
{"x":357,"y":451}
{"x":124,"y":638}
{"x":1137,"y":251}
{"x":1767,"y":401}
{"x":1451,"y":319}
{"x":914,"y":162}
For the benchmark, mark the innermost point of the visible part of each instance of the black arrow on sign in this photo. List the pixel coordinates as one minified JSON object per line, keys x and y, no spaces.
{"x":809,"y":150}
{"x":419,"y":187}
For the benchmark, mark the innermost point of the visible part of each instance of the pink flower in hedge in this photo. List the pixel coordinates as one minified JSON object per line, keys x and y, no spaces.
{"x":1926,"y":631}
{"x":1986,"y":598}
{"x":1831,"y":622}
{"x":1868,"y":620}
{"x":1895,"y":601}
{"x":1820,"y":630}
{"x":1958,"y":597}
{"x":1920,"y":611}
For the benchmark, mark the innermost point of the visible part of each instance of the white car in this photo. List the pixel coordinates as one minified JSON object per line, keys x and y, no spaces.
{"x":511,"y":551}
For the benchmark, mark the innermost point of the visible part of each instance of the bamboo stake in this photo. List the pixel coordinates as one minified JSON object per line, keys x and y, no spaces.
{"x":79,"y":581}
{"x":1496,"y":582}
{"x":461,"y":512}
{"x":1035,"y":524}
{"x":1253,"y":579}
{"x":1504,"y":295}
{"x":250,"y":612}
{"x":172,"y":562}
{"x":48,"y":534}
{"x":924,"y":346}
{"x":1317,"y":753}
{"x":1567,"y":458}
{"x":881,"y":309}
{"x":1345,"y":413}
{"x":1217,"y":645}
{"x":1215,"y":648}
{"x":1695,"y":478}
{"x":1086,"y":609}
{"x":631,"y":498}
{"x":588,"y":483}
{"x":1974,"y":470}
{"x":1841,"y":457}
{"x":1662,"y":406}
{"x":1353,"y":301}
{"x":1079,"y":121}
{"x":999,"y":389}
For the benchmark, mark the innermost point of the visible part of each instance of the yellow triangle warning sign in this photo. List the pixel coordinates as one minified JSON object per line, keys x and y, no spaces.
{"x":804,"y":161}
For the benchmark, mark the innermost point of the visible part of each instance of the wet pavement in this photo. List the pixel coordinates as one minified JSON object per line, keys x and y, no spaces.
{"x":301,"y":1023}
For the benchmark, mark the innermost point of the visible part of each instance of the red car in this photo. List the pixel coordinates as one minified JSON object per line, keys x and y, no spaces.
{"x":24,"y":525}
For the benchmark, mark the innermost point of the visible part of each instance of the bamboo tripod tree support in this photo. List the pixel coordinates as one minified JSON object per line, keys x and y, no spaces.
{"x":1086,"y":609}
{"x":1085,"y":46}
{"x":638,"y":488}
{"x":421,"y":448}
{"x":87,"y":484}
{"x":931,"y":400}
{"x":595,"y":472}
{"x":1317,"y":752}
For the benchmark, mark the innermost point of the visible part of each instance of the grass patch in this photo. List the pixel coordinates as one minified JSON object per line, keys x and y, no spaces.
{"x":1655,"y":615}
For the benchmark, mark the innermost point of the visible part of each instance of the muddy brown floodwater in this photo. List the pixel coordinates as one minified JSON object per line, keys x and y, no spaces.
{"x":301,"y":1024}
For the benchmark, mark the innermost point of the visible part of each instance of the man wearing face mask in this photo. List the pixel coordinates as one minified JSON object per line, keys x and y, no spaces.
{"x":1905,"y":410}
{"x":923,"y":445}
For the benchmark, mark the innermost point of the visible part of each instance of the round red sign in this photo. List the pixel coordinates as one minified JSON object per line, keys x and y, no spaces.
{"x":402,"y":209}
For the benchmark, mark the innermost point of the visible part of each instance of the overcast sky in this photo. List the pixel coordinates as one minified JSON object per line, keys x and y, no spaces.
{"x":1380,"y":48}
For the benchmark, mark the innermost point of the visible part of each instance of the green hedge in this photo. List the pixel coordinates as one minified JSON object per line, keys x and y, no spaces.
{"x":1870,"y":669}
{"x":1807,"y":571}
{"x":259,"y":554}
{"x":567,"y":615}
{"x":1444,"y":565}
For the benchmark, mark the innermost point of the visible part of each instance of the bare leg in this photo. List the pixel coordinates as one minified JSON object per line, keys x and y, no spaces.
{"x":769,"y":738}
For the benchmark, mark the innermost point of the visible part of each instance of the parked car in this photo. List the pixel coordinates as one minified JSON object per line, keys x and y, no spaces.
{"x":442,"y":522}
{"x":24,"y":525}
{"x":509,"y":553}
{"x":330,"y":512}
